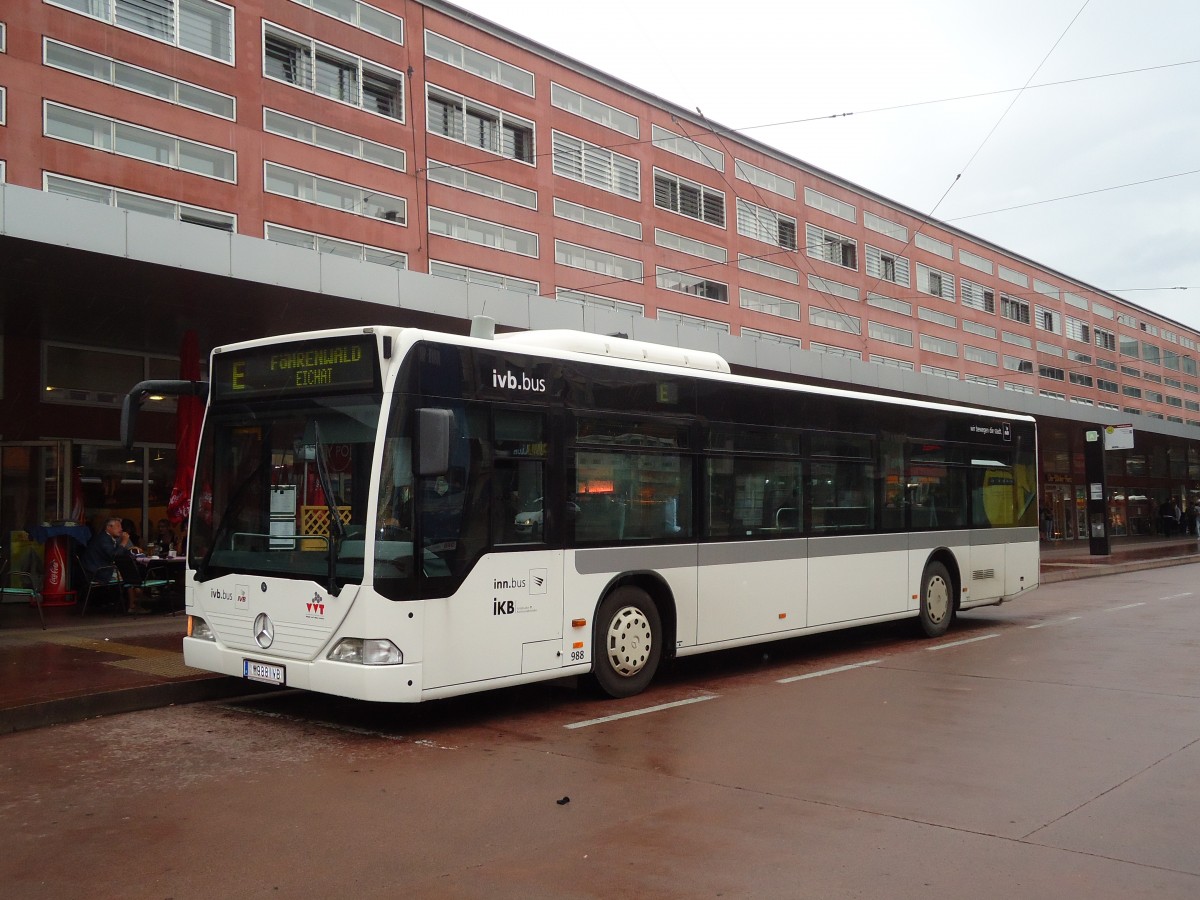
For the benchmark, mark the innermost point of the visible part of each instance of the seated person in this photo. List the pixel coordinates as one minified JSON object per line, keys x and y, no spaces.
{"x":112,"y":547}
{"x":131,"y":531}
{"x":164,"y":541}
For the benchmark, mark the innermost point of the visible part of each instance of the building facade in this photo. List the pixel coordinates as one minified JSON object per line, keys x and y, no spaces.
{"x":416,"y":138}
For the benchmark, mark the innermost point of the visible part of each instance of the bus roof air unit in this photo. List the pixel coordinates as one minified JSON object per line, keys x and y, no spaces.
{"x":618,"y":348}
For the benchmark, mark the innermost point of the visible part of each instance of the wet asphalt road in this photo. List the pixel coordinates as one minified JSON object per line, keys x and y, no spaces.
{"x":1047,"y":748}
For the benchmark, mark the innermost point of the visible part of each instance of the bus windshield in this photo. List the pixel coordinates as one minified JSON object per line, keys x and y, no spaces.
{"x":283,"y":489}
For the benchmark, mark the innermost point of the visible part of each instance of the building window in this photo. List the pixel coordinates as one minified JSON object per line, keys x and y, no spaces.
{"x":688,"y":198}
{"x":902,"y":307}
{"x":135,"y":142}
{"x":1052,"y":372}
{"x":976,"y":296}
{"x":1081,"y":379}
{"x":889,"y":334}
{"x":935,"y":282}
{"x":690,"y":246}
{"x":828,"y":318}
{"x":469,"y":60}
{"x":199,"y":26}
{"x":977,"y":328}
{"x":1012,"y":276}
{"x":143,"y":203}
{"x":768,"y":269}
{"x":887,"y":266}
{"x":975,"y":261}
{"x":687,"y":148}
{"x":766,"y":303}
{"x":683,"y":283}
{"x":1154,"y":396}
{"x":831,"y":247}
{"x":600,"y":261}
{"x":320,"y":191}
{"x":981,"y":356}
{"x":1016,"y":364}
{"x":938,"y":345}
{"x":306,"y":132}
{"x":831,"y":205}
{"x":939,"y":318}
{"x":596,"y":218}
{"x":601,"y":113}
{"x":308,"y":240}
{"x":761,"y":178}
{"x":1131,"y":391}
{"x":458,"y":227}
{"x":361,"y":15}
{"x":825,"y":286}
{"x":479,"y":276}
{"x":1012,"y":308}
{"x":321,"y":69}
{"x":1151,"y":353}
{"x":1047,"y":320}
{"x":1078,"y":330}
{"x":885,"y":226}
{"x":766,"y":225}
{"x":933,"y":245}
{"x":981,"y":379}
{"x":57,"y":55}
{"x":599,"y":167}
{"x":476,"y":124}
{"x":485,"y":186}
{"x":91,"y":376}
{"x":1106,"y":340}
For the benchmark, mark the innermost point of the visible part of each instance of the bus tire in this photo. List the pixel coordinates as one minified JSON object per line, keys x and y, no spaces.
{"x":627,"y":643}
{"x":937,"y":600}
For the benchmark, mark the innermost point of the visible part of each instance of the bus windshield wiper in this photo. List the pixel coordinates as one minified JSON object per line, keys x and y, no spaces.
{"x":337,"y":528}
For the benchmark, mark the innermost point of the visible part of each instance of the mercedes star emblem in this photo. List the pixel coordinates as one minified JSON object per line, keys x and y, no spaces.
{"x":264,"y":630}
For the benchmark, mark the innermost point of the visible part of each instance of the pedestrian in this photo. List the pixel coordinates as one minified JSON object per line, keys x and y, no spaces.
{"x":1047,"y":523}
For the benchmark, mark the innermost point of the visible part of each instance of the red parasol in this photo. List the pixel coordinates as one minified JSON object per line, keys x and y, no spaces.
{"x":189,"y":416}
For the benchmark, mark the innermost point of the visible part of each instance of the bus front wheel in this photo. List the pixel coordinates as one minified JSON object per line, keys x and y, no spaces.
{"x":937,"y":600}
{"x":627,"y":643}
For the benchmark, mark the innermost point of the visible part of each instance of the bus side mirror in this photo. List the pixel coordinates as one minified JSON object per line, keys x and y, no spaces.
{"x":433,"y":434}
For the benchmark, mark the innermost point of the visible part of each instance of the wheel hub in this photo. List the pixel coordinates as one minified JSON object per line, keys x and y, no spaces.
{"x":629,"y":641}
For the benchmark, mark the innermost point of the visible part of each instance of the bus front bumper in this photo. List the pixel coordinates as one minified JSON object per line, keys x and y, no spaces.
{"x":388,"y":684}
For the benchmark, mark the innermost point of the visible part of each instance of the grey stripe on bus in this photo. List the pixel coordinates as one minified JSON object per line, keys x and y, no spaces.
{"x":623,"y":559}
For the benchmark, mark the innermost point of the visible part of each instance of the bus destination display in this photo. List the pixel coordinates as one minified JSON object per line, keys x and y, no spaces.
{"x":310,"y":367}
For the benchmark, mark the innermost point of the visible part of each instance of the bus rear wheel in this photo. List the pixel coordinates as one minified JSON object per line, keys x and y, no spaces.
{"x":937,"y":600}
{"x":627,"y":643}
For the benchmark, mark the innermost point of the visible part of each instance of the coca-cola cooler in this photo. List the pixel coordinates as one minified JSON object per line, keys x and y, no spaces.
{"x":56,"y":580}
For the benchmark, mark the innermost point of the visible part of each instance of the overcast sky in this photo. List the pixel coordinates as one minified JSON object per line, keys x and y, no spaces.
{"x":755,"y":63}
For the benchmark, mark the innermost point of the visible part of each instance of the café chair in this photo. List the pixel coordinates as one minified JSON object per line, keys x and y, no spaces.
{"x":21,"y":586}
{"x":108,"y":578}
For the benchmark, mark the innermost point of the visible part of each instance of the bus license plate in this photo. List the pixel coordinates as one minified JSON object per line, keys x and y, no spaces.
{"x":264,"y":672}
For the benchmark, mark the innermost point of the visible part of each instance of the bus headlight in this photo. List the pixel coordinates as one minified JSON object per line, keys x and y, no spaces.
{"x":367,"y":652}
{"x":199,"y":629}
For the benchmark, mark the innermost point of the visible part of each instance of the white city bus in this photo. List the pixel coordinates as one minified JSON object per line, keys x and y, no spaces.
{"x":398,"y":515}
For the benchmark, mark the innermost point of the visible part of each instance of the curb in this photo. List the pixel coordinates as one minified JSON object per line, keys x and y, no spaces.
{"x":1096,"y":570}
{"x":89,"y":706}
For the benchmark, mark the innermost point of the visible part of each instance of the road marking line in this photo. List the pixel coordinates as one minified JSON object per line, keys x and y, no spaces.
{"x":640,"y":712}
{"x":869,"y":662}
{"x":982,"y":637}
{"x":1055,"y":622}
{"x":1126,"y":606}
{"x":1177,"y":596}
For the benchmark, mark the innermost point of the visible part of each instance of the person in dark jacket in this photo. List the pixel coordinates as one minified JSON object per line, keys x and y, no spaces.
{"x":113,"y":548}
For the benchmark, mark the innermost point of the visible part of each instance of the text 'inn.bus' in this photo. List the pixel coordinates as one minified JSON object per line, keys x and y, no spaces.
{"x":394,"y":514}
